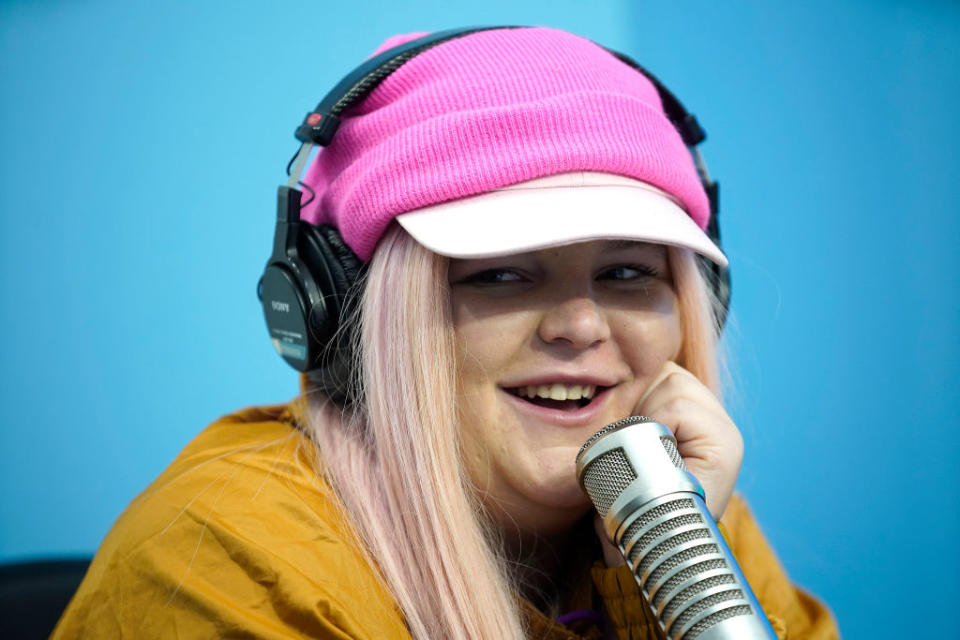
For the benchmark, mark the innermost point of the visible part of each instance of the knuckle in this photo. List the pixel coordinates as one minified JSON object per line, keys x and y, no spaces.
{"x":676,"y":405}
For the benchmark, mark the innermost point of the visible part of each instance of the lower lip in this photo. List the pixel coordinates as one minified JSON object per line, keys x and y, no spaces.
{"x":577,"y":418}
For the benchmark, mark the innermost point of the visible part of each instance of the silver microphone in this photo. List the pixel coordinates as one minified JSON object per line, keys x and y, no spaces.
{"x":654,"y":511}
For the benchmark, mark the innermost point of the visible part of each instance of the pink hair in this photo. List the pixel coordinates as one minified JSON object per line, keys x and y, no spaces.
{"x":698,"y":315}
{"x":395,"y":462}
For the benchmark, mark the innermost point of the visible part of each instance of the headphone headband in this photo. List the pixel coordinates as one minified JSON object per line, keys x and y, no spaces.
{"x":320,"y":124}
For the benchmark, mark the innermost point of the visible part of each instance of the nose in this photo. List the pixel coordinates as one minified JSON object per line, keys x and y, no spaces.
{"x":577,"y":322}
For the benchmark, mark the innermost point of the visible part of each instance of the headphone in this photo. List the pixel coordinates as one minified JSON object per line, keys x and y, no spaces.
{"x":312,"y":280}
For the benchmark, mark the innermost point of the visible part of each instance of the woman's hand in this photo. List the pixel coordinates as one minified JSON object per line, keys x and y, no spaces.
{"x":707,"y":439}
{"x":709,"y":443}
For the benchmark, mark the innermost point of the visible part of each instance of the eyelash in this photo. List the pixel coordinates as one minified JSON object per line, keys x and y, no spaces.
{"x":642,"y":270}
{"x":489,"y":276}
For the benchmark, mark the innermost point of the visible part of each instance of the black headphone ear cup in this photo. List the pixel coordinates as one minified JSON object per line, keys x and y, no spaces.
{"x":335,"y":270}
{"x":286,"y":307}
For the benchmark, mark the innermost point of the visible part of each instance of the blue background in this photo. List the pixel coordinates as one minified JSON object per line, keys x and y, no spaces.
{"x":141,"y":144}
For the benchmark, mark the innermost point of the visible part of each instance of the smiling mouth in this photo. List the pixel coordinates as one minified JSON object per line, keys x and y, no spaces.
{"x":558,"y":396}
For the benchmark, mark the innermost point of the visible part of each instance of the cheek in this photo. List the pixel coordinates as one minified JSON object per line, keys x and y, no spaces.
{"x":487,"y":345}
{"x":486,"y":348}
{"x":648,"y":341}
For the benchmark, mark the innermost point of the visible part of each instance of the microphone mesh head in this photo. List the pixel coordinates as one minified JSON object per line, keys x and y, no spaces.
{"x":671,"y":446}
{"x":606,"y":478}
{"x":613,"y":426}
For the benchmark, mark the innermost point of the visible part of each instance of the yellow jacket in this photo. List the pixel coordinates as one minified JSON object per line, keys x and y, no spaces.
{"x":240,"y":538}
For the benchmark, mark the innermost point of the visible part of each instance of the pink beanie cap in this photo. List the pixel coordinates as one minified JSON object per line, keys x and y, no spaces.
{"x":492,"y":109}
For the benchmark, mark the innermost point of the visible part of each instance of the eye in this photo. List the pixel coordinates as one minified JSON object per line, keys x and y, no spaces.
{"x":493,"y":277}
{"x":628,"y":272}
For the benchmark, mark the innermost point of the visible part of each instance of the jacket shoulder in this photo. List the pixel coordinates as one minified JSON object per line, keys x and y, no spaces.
{"x":240,"y":535}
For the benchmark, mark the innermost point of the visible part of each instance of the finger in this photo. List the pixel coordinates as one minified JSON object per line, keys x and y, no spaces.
{"x":702,"y":432}
{"x":676,"y":382}
{"x":668,"y":368}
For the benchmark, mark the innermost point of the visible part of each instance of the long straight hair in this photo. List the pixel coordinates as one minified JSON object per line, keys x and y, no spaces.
{"x":394,"y":461}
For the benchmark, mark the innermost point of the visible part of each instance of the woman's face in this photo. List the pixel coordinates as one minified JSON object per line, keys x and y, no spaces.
{"x":554,"y":344}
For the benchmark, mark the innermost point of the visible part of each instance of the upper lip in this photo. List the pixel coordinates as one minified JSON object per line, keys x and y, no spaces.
{"x":560,"y":378}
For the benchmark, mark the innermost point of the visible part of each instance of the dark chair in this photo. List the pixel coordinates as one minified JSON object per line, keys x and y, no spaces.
{"x":34,"y":594}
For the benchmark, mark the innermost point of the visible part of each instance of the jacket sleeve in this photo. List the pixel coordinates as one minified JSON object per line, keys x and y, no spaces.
{"x":794,"y":614}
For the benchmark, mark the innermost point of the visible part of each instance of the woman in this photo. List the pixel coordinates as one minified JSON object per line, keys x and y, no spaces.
{"x":527,"y":217}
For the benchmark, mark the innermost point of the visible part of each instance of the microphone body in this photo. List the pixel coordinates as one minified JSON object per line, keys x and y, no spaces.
{"x":654,"y":511}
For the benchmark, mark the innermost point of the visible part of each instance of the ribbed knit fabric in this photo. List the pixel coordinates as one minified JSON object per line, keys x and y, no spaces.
{"x":488,"y":110}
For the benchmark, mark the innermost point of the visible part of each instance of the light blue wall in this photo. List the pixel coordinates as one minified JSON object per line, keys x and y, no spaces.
{"x":141,"y":143}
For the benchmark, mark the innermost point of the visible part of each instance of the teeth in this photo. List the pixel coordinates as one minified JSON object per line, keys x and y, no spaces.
{"x":558,"y":391}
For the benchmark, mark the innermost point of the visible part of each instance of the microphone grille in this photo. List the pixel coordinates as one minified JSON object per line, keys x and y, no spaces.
{"x":691,"y":572}
{"x":606,"y":478}
{"x":717,"y":618}
{"x":671,"y":446}
{"x":687,"y":594}
{"x":613,"y":426}
{"x":680,"y":564}
{"x":733,"y":596}
{"x":709,"y":549}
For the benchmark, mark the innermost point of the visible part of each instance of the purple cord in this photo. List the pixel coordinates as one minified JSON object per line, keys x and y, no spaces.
{"x":582,"y":614}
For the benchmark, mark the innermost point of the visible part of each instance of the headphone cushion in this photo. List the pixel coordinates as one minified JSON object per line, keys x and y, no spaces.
{"x":333,"y":266}
{"x":348,"y":265}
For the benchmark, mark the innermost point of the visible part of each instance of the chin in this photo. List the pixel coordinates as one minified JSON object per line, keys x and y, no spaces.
{"x":561,"y":491}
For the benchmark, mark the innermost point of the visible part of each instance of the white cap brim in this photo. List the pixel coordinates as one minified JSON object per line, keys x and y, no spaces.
{"x":553,"y":211}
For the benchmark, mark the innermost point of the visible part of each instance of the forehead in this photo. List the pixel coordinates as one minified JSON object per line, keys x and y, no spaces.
{"x":604,"y":247}
{"x":613,"y":245}
{"x":586,"y":253}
